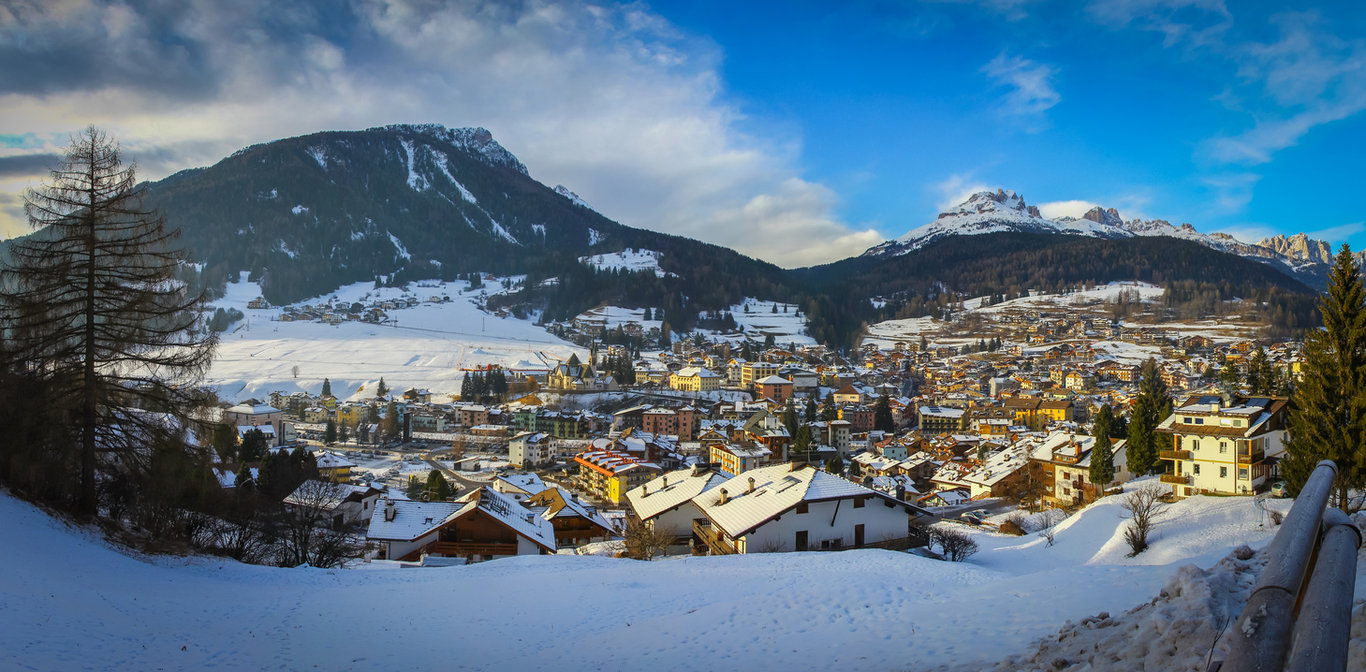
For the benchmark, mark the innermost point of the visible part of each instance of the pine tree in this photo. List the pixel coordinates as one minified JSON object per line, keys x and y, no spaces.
{"x":382,"y":389}
{"x":835,"y":465}
{"x":243,"y":479}
{"x":437,"y":487}
{"x":95,"y":308}
{"x":1328,"y":419}
{"x":254,"y":446}
{"x":341,"y":433}
{"x":1102,"y":462}
{"x":327,"y":387}
{"x":1152,"y":407}
{"x":882,"y":415}
{"x":810,"y":409}
{"x":1104,"y":422}
{"x":415,"y":488}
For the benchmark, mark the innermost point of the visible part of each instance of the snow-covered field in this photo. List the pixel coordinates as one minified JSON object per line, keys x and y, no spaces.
{"x":74,"y":603}
{"x":937,"y":332}
{"x":429,"y":347}
{"x":628,"y":259}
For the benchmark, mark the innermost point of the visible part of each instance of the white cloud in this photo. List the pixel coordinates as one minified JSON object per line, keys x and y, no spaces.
{"x":1233,"y":191}
{"x":956,"y":189}
{"x":1306,"y":78}
{"x":1338,"y":234}
{"x":1056,"y":209}
{"x":1031,"y":82}
{"x":611,"y":101}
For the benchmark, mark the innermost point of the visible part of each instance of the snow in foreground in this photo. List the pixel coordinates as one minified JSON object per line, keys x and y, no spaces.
{"x":72,"y":603}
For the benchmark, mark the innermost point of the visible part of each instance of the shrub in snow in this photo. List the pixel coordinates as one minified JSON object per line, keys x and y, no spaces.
{"x":954,"y":545}
{"x":1145,"y":507}
{"x":1013,"y":526}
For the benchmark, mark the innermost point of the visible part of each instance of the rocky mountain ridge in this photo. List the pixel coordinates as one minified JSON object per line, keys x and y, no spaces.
{"x":984,"y":212}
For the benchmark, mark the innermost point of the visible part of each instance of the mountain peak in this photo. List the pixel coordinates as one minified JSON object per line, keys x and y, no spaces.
{"x":475,"y":140}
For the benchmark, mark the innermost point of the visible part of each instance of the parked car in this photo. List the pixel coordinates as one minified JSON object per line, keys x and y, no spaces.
{"x":1278,"y":489}
{"x":974,"y":517}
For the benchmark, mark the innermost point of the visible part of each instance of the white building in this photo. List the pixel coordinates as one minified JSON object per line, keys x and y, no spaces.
{"x":665,"y":503}
{"x":786,"y":507}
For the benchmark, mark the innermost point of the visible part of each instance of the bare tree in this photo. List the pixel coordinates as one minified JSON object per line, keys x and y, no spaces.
{"x":955,"y":545}
{"x":1145,"y":507}
{"x":644,"y":541}
{"x":307,"y":531}
{"x":100,"y":310}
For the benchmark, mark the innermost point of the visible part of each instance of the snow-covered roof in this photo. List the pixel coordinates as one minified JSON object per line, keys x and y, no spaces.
{"x":411,"y":519}
{"x":669,"y":490}
{"x":777,"y":488}
{"x":253,"y":409}
{"x":415,"y":519}
{"x":331,"y":460}
{"x":528,"y":484}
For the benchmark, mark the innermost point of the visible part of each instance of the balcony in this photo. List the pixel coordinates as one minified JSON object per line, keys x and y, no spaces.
{"x":1251,"y":457}
{"x":1175,"y":479}
{"x":712,"y":537}
{"x":1174,"y":455}
{"x":466,"y":549}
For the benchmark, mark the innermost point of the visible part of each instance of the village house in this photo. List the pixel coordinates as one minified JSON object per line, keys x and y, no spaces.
{"x":340,"y":503}
{"x":482,"y":525}
{"x":665,"y":503}
{"x":1223,"y":445}
{"x":529,"y":449}
{"x":793,"y":507}
{"x":252,"y":413}
{"x":608,"y":474}
{"x":694,"y":379}
{"x":574,"y":522}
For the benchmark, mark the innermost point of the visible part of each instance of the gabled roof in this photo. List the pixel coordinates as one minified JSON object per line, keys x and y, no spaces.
{"x":526,"y":484}
{"x":557,"y":505}
{"x":416,"y":519}
{"x":671,"y":490}
{"x":776,"y":489}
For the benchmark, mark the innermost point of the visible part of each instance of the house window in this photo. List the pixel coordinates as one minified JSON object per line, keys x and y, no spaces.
{"x":1242,"y":474}
{"x":800,"y":542}
{"x":1223,"y":447}
{"x":1196,"y":467}
{"x":1223,"y":472}
{"x":858,"y":502}
{"x":802,"y":507}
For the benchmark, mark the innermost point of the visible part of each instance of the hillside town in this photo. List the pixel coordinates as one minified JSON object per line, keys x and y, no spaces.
{"x":678,"y":446}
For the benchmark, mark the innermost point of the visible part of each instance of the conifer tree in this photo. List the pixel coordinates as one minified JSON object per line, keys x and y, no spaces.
{"x":330,"y":434}
{"x":437,"y":487}
{"x":96,"y":309}
{"x":382,"y":389}
{"x":1152,"y":407}
{"x":327,"y":387}
{"x":810,"y":409}
{"x":342,"y":433}
{"x":882,"y":415}
{"x":1102,"y":460}
{"x":1328,"y":418}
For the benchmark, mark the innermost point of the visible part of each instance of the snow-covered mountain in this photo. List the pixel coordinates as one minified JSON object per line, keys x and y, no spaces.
{"x":987,"y":212}
{"x":1006,"y":211}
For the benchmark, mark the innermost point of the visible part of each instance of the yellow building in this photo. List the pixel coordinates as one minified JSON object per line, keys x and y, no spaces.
{"x":752,"y":372}
{"x":350,"y":414}
{"x":608,"y":474}
{"x":695,"y":379}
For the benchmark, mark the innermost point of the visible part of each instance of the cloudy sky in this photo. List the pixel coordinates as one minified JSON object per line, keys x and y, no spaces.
{"x":795,"y":131}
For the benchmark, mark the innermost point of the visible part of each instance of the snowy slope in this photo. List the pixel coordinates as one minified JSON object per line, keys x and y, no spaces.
{"x":87,"y":606}
{"x":429,"y":347}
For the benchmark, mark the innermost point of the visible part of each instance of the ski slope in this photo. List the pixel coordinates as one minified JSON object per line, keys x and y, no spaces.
{"x":429,"y":348}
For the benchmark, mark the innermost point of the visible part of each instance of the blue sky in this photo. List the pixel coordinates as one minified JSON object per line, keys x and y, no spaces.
{"x":797,"y":132}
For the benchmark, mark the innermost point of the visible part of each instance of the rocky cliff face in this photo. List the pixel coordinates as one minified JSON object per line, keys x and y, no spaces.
{"x":1299,"y":247}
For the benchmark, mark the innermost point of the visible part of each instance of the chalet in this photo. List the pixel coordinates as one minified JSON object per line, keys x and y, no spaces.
{"x":574,"y":522}
{"x":1066,"y":458}
{"x":665,"y":503}
{"x":792,"y":507}
{"x":482,"y":525}
{"x":342,"y":503}
{"x":518,"y":486}
{"x":334,"y":467}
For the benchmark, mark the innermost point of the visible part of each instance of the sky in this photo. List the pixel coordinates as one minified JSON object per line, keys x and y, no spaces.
{"x":797,"y":132}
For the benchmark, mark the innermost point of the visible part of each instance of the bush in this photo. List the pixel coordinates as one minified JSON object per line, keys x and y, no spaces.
{"x":1012,"y":526}
{"x":954,"y":545}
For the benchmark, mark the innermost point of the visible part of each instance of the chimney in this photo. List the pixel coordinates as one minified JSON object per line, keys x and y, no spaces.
{"x":723,"y":498}
{"x":699,"y":469}
{"x":750,"y":491}
{"x":390,"y":512}
{"x":665,"y":481}
{"x":645,"y":490}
